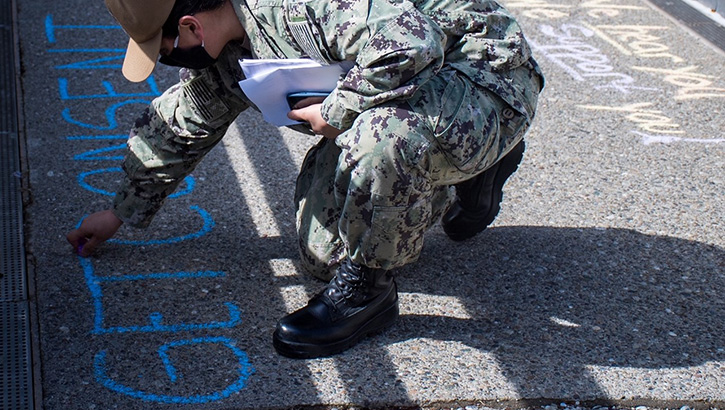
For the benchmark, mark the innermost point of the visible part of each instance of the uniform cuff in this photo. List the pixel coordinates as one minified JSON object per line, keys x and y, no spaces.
{"x":335,"y":113}
{"x":132,"y":210}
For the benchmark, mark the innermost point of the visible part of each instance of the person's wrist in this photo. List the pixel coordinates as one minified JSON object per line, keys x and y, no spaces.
{"x":119,"y":220}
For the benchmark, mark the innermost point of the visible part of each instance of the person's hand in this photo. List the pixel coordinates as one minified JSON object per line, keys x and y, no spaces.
{"x":308,"y":110}
{"x":94,"y":230}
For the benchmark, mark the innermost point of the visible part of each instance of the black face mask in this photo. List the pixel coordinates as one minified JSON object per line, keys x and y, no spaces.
{"x":195,"y":57}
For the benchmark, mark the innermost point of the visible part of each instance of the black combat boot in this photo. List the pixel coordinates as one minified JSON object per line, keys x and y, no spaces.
{"x":358,"y":301}
{"x":478,"y":199}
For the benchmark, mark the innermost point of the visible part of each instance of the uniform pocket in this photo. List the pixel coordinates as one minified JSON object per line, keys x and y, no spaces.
{"x":397,"y":233}
{"x":454,"y":96}
{"x":466,"y":125}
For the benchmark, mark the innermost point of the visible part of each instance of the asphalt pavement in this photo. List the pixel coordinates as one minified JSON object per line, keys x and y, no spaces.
{"x":600,"y":283}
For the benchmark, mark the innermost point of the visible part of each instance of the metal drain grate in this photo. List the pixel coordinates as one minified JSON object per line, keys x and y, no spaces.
{"x":15,"y":376}
{"x":13,"y":285}
{"x":16,"y":392}
{"x":702,"y":25}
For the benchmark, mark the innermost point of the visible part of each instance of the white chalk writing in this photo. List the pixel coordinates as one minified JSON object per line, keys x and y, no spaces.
{"x":581,"y":60}
{"x":646,"y":119}
{"x":648,"y":139}
{"x":690,"y":85}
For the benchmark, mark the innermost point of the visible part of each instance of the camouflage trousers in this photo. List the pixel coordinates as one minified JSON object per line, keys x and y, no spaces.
{"x":372,"y":193}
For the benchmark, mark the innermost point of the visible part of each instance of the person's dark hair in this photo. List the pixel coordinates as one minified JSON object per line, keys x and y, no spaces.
{"x":187,"y":8}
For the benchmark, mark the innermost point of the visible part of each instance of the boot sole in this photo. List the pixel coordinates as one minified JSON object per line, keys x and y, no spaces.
{"x":295,"y":350}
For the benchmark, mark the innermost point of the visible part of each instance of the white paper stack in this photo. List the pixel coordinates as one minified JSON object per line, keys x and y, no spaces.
{"x":269,"y":82}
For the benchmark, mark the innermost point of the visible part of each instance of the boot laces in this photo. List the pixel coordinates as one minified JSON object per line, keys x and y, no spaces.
{"x":346,"y":281}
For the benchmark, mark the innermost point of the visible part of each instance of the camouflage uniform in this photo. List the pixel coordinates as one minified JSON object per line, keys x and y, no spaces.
{"x":440,"y":90}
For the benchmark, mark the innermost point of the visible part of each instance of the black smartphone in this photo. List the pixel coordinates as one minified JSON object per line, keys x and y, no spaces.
{"x":294,"y":98}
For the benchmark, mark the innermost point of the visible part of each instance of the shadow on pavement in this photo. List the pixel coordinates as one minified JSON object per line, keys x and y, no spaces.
{"x":547,"y":303}
{"x":550,"y":302}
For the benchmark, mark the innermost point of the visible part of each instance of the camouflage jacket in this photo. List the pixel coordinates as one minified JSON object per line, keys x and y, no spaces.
{"x":396,"y":45}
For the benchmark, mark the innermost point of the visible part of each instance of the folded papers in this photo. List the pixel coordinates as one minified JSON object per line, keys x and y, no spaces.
{"x":269,"y":82}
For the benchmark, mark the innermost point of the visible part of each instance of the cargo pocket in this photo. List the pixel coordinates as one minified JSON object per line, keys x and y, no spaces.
{"x":467,"y":125}
{"x":397,"y":234}
{"x":462,"y":118}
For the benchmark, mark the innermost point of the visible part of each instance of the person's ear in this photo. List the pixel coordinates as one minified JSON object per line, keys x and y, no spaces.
{"x":191,"y":25}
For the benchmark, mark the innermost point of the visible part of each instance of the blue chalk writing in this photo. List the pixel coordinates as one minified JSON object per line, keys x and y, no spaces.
{"x":175,"y":275}
{"x":110,"y":91}
{"x":50,"y":28}
{"x":93,"y":64}
{"x":82,"y":180}
{"x":95,"y":282}
{"x":110,"y":116}
{"x":208,"y":226}
{"x":93,"y":154}
{"x":244,"y":369}
{"x":168,"y":365}
{"x":86,"y":50}
{"x":75,"y":86}
{"x":96,"y":137}
{"x":156,"y":324}
{"x":190,"y":184}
